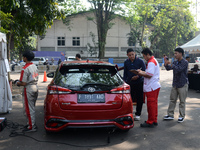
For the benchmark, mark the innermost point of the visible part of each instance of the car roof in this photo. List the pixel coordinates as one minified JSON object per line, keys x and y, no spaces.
{"x":86,"y":62}
{"x":71,"y":57}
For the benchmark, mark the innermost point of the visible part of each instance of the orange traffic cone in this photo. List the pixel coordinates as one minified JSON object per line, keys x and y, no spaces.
{"x":45,"y":77}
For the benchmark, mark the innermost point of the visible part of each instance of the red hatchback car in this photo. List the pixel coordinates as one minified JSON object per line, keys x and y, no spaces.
{"x":87,"y":94}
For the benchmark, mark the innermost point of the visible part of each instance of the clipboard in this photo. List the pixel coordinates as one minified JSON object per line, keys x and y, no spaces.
{"x":134,"y":71}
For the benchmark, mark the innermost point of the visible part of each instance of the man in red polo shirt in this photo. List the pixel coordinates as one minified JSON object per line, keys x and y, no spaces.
{"x":28,"y":79}
{"x":151,"y":87}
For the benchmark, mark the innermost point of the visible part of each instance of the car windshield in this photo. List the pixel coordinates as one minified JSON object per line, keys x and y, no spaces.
{"x":36,"y":59}
{"x":102,"y":78}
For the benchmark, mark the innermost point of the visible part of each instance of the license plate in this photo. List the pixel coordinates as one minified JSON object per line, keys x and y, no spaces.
{"x":91,"y":98}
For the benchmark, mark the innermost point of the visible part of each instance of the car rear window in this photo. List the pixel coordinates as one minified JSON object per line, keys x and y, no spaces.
{"x":75,"y":77}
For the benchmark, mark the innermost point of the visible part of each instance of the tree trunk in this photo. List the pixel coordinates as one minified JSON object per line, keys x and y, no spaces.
{"x":8,"y":51}
{"x":144,"y":23}
{"x":175,"y":38}
{"x":101,"y":49}
{"x":102,"y":33}
{"x":102,"y":30}
{"x":154,"y":40}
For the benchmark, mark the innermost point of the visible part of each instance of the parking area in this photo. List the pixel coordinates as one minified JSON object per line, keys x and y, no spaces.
{"x":168,"y":135}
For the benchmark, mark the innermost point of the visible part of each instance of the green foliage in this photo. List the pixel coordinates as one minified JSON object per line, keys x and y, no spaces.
{"x":169,"y":23}
{"x":7,"y":19}
{"x":139,"y":13}
{"x":72,"y":7}
{"x":69,"y":8}
{"x":28,"y":17}
{"x":173,"y":25}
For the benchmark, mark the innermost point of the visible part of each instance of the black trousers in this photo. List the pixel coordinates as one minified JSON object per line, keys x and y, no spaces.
{"x":137,"y":96}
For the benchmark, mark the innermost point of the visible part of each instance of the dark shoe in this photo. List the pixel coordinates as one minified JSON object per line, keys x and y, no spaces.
{"x":168,"y":117}
{"x":155,"y":124}
{"x":146,"y":125}
{"x":180,"y":119}
{"x":29,"y":129}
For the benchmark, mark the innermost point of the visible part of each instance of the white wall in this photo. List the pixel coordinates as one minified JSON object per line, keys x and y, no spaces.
{"x":81,"y":27}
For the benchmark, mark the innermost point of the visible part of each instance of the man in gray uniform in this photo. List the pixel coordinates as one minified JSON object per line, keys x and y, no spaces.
{"x":28,"y":79}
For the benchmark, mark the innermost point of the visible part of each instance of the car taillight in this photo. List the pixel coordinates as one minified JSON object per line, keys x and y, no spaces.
{"x":124,"y":121}
{"x":55,"y":123}
{"x":121,"y":89}
{"x":129,"y":122}
{"x":58,"y":90}
{"x":52,"y":124}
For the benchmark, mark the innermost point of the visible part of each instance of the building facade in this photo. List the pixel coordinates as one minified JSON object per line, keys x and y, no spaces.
{"x":75,"y":37}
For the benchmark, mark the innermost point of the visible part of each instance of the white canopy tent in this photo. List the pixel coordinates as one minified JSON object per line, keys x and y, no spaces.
{"x":193,"y":46}
{"x":5,"y":91}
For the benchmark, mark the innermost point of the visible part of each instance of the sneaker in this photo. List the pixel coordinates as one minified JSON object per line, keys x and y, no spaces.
{"x":168,"y":117}
{"x":180,"y":119}
{"x":137,"y":118}
{"x":146,"y":125}
{"x":28,"y":129}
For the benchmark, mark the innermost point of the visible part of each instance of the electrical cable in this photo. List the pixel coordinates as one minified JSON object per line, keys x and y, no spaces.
{"x":14,"y":127}
{"x":16,"y":130}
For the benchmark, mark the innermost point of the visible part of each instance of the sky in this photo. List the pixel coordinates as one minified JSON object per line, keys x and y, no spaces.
{"x":85,"y":2}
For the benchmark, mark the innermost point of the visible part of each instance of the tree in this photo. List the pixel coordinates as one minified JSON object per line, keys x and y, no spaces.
{"x":135,"y":26}
{"x":173,"y":26}
{"x":104,"y":11}
{"x":69,"y":8}
{"x":138,"y":14}
{"x":92,"y":50}
{"x":6,"y":17}
{"x":28,"y":17}
{"x":72,"y":7}
{"x":171,"y":21}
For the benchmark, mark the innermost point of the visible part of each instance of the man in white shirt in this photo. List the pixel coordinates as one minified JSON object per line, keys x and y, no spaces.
{"x":151,"y":87}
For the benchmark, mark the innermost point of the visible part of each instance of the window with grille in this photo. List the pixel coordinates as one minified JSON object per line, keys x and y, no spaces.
{"x":61,"y":41}
{"x":76,"y":41}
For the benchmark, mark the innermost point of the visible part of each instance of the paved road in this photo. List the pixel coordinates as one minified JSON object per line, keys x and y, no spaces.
{"x":169,"y":135}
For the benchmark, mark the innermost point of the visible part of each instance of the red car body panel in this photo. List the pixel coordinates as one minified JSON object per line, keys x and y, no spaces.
{"x":63,"y":110}
{"x":69,"y":102}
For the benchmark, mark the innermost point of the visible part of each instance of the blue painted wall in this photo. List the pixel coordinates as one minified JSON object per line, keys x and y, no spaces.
{"x":50,"y":54}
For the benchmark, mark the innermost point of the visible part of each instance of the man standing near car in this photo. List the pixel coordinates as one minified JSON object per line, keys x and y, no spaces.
{"x":135,"y":81}
{"x":151,"y":87}
{"x":28,"y":79}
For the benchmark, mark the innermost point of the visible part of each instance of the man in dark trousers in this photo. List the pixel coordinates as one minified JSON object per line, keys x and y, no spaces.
{"x":135,"y":81}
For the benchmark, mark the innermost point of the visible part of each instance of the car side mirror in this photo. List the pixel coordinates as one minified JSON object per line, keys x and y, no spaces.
{"x":50,"y":75}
